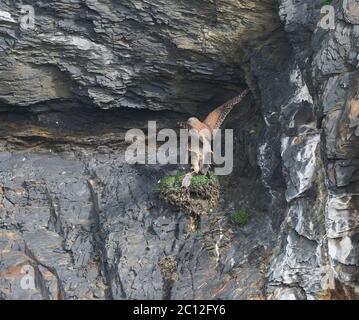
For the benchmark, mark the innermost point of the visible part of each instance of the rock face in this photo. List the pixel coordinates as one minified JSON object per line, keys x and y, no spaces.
{"x":78,"y":222}
{"x":320,"y":157}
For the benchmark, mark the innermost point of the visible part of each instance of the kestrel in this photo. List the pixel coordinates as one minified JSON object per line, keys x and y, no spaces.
{"x":205,"y":132}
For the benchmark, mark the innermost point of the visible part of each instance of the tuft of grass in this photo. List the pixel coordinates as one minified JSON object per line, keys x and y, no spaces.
{"x":327,"y":2}
{"x":203,"y":180}
{"x":240,"y":217}
{"x":174,"y":183}
{"x":168,"y":183}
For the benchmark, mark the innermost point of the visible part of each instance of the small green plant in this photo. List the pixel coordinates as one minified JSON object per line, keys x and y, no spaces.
{"x":327,"y":2}
{"x":166,"y":182}
{"x":240,"y":217}
{"x":203,"y":180}
{"x":174,"y":183}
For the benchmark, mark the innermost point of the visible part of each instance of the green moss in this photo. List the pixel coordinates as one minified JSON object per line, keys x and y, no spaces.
{"x":327,"y":2}
{"x":175,"y":182}
{"x":170,"y":183}
{"x":166,"y":182}
{"x":240,"y":217}
{"x":203,"y":180}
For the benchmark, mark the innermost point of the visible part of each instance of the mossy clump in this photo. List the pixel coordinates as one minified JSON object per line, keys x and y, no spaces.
{"x":175,"y":182}
{"x":198,"y":198}
{"x":201,"y":180}
{"x":327,"y":2}
{"x":169,"y":183}
{"x":240,"y":217}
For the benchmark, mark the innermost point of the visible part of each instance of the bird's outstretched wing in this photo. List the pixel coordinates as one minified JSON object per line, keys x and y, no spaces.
{"x":215,"y":119}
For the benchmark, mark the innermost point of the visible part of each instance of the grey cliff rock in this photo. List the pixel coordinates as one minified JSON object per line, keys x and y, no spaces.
{"x":91,"y":226}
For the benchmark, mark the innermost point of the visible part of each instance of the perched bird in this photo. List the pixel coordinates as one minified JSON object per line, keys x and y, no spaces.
{"x":204,"y":130}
